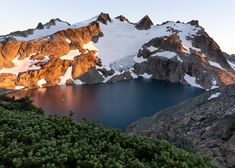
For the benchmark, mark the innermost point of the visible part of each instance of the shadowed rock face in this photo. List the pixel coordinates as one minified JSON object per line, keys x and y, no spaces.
{"x":144,"y":24}
{"x":203,"y":124}
{"x":40,"y":26}
{"x":193,"y":64}
{"x":210,"y":48}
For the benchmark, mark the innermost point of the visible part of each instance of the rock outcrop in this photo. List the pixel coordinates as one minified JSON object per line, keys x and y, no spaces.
{"x":205,"y":124}
{"x":144,"y":24}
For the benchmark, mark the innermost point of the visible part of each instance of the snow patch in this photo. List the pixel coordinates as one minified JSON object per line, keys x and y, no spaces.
{"x":19,"y":87}
{"x":78,"y":82}
{"x":146,"y":76}
{"x":71,"y":54}
{"x":191,"y":81}
{"x":90,"y":46}
{"x":214,"y":83}
{"x":41,"y":82}
{"x":168,"y":55}
{"x":215,"y":64}
{"x":67,"y":75}
{"x":152,"y":49}
{"x":134,"y":76}
{"x":231,"y":64}
{"x":68,"y":41}
{"x":139,"y":59}
{"x":23,"y":65}
{"x":214,"y":96}
{"x":179,"y":59}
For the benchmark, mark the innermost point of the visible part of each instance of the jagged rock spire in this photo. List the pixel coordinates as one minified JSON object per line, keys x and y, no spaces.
{"x":104,"y":18}
{"x":144,"y":24}
{"x":40,"y":26}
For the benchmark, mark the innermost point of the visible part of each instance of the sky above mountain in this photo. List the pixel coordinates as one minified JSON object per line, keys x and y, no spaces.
{"x":216,"y":16}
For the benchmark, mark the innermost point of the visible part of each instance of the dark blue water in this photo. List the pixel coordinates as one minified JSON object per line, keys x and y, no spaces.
{"x":116,"y":105}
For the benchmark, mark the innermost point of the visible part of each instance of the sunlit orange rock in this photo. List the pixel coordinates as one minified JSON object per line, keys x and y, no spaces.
{"x":7,"y":81}
{"x":53,"y":46}
{"x":83,"y":63}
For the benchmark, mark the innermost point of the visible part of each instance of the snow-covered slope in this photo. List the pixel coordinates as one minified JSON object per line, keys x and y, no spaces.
{"x":122,"y":40}
{"x":47,"y":29}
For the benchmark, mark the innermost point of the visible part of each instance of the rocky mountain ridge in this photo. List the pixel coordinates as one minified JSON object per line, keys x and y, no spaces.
{"x":103,"y":49}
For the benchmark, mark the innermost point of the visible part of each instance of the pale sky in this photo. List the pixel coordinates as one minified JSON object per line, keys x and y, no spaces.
{"x":216,"y":16}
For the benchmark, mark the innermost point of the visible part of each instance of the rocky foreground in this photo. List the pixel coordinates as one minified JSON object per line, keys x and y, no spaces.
{"x":205,"y":124}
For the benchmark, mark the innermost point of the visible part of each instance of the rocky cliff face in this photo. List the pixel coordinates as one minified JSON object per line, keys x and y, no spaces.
{"x":205,"y":124}
{"x":109,"y":50}
{"x":26,"y":62}
{"x":206,"y":62}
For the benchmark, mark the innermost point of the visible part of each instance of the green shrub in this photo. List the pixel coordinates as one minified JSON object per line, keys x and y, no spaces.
{"x":31,"y":139}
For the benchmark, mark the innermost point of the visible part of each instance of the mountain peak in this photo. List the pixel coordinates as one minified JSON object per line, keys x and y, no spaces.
{"x":40,"y":26}
{"x":145,"y":23}
{"x":104,"y":18}
{"x":194,"y":23}
{"x":53,"y":22}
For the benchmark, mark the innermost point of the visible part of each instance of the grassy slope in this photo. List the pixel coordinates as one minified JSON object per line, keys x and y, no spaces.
{"x":30,"y":139}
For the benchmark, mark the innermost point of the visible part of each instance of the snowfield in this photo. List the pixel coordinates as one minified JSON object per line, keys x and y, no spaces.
{"x":122,"y":39}
{"x":45,"y":32}
{"x":70,"y":55}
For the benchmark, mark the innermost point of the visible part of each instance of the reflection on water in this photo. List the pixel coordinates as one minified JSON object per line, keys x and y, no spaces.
{"x":116,"y":104}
